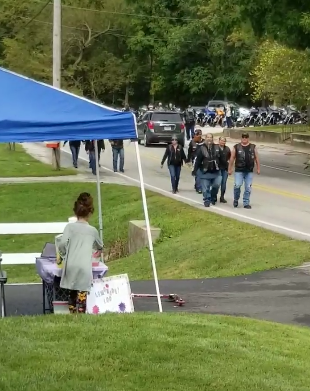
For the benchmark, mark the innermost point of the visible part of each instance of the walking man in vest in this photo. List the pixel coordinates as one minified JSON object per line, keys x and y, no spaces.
{"x":229,"y":122}
{"x":118,"y":151}
{"x":207,"y":169}
{"x":193,"y":148}
{"x":190,"y":121}
{"x":245,"y":156}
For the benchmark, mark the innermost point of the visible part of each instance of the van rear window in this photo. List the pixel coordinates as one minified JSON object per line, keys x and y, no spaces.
{"x":166,"y":117}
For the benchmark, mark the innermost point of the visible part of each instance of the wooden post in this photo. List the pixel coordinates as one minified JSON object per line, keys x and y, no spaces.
{"x":56,"y":158}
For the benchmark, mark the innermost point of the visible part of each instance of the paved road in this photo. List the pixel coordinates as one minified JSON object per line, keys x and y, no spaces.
{"x":280,"y":197}
{"x":277,"y":295}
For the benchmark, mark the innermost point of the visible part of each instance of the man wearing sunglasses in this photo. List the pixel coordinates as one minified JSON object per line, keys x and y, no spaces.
{"x":207,"y":169}
{"x":245,"y":156}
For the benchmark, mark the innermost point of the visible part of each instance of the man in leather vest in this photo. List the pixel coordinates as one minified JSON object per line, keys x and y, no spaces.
{"x":245,"y":156}
{"x":193,"y":148}
{"x":190,"y":121}
{"x":118,"y":151}
{"x":207,"y":169}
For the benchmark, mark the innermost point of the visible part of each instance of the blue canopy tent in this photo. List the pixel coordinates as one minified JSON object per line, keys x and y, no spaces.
{"x":31,"y":111}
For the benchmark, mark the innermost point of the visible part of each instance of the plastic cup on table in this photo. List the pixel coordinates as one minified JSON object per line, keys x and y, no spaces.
{"x":96,"y":258}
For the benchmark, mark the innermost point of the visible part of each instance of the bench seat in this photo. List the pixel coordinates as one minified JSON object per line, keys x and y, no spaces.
{"x":31,"y":228}
{"x":27,"y":229}
{"x":20,"y":258}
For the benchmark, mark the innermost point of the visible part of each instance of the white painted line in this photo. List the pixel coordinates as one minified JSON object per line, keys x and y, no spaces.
{"x":216,"y":208}
{"x":283,"y":169}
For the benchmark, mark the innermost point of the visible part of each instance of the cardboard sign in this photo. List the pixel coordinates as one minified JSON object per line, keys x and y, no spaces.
{"x":110,"y":294}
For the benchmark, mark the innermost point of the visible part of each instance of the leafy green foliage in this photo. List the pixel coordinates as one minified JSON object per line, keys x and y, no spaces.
{"x":281,"y":74}
{"x":176,"y":50}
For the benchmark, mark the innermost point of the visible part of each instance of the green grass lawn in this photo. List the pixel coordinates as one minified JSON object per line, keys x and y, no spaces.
{"x":153,"y":352}
{"x":19,"y":164}
{"x":194,"y":243}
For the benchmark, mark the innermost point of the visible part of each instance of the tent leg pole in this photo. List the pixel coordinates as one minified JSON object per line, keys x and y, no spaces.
{"x":98,"y":191}
{"x":148,"y":227}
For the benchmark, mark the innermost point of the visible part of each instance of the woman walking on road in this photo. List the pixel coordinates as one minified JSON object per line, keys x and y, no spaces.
{"x":175,"y":157}
{"x":225,"y":155}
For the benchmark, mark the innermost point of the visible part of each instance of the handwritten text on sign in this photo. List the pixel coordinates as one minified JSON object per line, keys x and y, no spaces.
{"x":107,"y":293}
{"x":110,"y":294}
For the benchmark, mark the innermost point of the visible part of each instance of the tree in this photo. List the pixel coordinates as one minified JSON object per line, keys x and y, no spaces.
{"x":281,"y":74}
{"x":169,"y":50}
{"x":232,"y":44}
{"x":93,"y":48}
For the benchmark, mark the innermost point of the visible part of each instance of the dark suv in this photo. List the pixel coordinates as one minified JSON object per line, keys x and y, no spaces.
{"x":160,"y":126}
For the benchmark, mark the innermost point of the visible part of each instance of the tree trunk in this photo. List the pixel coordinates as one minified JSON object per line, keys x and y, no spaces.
{"x":151,"y":95}
{"x":127,"y":95}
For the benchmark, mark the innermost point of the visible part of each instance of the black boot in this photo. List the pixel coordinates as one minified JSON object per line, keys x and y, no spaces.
{"x":222,"y":199}
{"x":213,"y":196}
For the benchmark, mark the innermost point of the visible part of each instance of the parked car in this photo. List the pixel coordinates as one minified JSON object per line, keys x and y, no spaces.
{"x":159,"y":126}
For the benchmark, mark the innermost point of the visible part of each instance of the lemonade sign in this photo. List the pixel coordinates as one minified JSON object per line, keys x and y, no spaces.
{"x":110,"y":294}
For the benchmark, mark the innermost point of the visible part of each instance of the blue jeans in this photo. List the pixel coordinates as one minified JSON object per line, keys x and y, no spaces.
{"x":190,"y":130}
{"x":118,"y":152}
{"x":224,"y":174}
{"x":210,"y":186}
{"x":92,"y":161}
{"x":197,"y":183}
{"x":229,"y":122}
{"x":247,"y":178}
{"x":175,"y":172}
{"x":75,"y":155}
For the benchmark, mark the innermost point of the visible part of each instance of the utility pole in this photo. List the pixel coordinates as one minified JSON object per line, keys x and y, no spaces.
{"x":56,"y":66}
